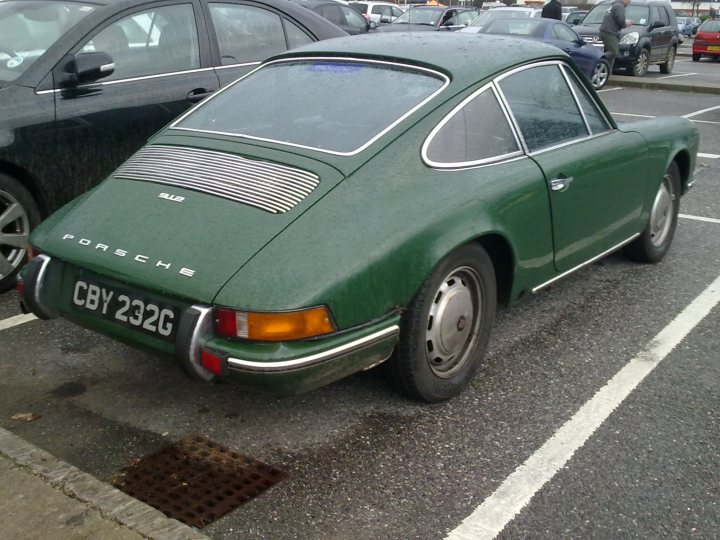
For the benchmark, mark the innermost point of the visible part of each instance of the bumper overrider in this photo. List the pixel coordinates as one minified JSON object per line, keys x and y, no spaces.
{"x":279,"y":368}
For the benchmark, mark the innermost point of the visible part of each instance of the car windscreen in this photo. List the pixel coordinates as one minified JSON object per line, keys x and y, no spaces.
{"x":429,"y":16}
{"x":498,"y":13}
{"x":336,"y":106}
{"x":639,"y":15}
{"x":29,"y":28}
{"x":710,"y":26}
{"x":517,"y":26}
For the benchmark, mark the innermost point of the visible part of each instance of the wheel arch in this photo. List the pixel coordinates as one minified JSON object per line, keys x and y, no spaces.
{"x":501,"y":254}
{"x":28,"y":182}
{"x":682,"y":158}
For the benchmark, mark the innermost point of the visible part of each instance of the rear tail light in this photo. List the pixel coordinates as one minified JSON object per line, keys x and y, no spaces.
{"x":277,"y":326}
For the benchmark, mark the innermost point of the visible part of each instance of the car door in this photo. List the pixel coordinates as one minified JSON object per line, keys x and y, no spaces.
{"x":594,"y":173}
{"x":566,"y":39}
{"x":162,"y":67}
{"x":658,"y":34}
{"x":246,"y":34}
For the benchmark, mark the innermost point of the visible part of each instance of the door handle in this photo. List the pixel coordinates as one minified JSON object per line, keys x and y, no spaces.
{"x":198,"y":95}
{"x":560,"y":184}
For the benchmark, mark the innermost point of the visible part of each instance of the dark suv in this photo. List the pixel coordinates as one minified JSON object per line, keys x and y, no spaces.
{"x":652,"y":38}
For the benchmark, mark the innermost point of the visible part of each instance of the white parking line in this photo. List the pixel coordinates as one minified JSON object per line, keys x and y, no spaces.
{"x":708,"y":156}
{"x":677,"y":75}
{"x":491,"y":517}
{"x":16,"y":320}
{"x":629,"y":114}
{"x":686,"y":116}
{"x":699,"y":218}
{"x":696,"y":113}
{"x":610,"y":89}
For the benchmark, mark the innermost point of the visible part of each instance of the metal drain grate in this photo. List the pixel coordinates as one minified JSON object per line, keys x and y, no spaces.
{"x":196,"y":480}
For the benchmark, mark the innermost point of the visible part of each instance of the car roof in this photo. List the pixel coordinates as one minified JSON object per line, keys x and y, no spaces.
{"x":465,"y":58}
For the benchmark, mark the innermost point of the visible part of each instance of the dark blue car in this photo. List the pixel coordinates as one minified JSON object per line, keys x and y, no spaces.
{"x":589,"y":58}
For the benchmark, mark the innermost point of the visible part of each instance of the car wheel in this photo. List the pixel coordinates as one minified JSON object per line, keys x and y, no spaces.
{"x":642,"y":63}
{"x":19,"y":214}
{"x":696,"y":57}
{"x":654,"y":242}
{"x":446,"y":328}
{"x":667,"y":66}
{"x":600,"y":74}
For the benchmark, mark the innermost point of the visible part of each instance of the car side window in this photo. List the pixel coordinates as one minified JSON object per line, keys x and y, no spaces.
{"x":296,"y":37}
{"x":543,"y":107}
{"x":396,"y":12}
{"x":563,"y":32}
{"x":353,"y":18}
{"x":246,"y":33}
{"x":654,"y":14}
{"x":478,"y":131}
{"x":593,"y":115}
{"x":664,"y":17}
{"x":160,"y":40}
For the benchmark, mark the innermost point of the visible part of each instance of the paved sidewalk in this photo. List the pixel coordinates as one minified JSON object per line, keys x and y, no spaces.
{"x":42,"y":497}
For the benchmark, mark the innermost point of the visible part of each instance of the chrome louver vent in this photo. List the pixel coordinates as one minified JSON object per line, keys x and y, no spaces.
{"x":268,"y":186}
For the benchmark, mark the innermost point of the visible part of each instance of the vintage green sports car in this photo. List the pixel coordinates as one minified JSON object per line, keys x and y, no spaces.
{"x":359,"y":200}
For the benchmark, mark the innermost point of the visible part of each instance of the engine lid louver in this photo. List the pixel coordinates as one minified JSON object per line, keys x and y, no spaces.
{"x":268,"y":186}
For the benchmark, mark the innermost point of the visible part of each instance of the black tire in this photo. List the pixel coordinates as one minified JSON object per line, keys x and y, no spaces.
{"x":601,"y":73}
{"x":19,"y":215}
{"x":641,"y":64}
{"x":446,"y":328}
{"x":696,"y":57}
{"x":654,"y":242}
{"x":667,"y":66}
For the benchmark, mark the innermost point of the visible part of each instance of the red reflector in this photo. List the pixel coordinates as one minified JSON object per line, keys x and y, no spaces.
{"x":212,"y":362}
{"x":20,"y":286}
{"x":225,"y":322}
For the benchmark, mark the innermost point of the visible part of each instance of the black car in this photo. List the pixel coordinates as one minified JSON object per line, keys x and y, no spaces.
{"x":83,"y":85}
{"x":423,"y":18}
{"x":341,"y":15}
{"x":575,"y":17}
{"x":652,"y":38}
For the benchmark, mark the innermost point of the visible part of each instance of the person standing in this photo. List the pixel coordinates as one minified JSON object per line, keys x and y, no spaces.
{"x":612,"y":23}
{"x":552,"y":10}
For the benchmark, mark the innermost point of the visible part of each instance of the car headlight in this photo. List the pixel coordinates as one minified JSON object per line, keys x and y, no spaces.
{"x":631,"y":38}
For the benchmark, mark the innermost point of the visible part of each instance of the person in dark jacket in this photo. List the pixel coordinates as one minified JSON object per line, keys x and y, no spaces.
{"x":612,"y":23}
{"x":552,"y":10}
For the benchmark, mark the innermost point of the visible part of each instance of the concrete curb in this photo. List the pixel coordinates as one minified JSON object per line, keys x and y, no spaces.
{"x":111,"y":503}
{"x":654,"y":84}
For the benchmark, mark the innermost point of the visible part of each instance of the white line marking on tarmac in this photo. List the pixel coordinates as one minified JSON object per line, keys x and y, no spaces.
{"x":703,"y":121}
{"x":677,"y":75}
{"x":491,"y":517}
{"x":696,"y":113}
{"x":629,"y":114}
{"x":610,"y":89}
{"x":16,"y":320}
{"x":708,"y":156}
{"x":700,"y":218}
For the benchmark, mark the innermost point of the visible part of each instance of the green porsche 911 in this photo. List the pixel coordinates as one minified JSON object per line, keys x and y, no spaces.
{"x":357,"y":201}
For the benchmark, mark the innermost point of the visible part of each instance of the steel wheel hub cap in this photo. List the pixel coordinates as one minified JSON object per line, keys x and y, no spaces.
{"x":453,"y":322}
{"x":661,"y":214}
{"x":14,"y":232}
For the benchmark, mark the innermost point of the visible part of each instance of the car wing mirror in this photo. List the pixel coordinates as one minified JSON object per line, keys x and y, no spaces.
{"x":89,"y":67}
{"x":656,"y":24}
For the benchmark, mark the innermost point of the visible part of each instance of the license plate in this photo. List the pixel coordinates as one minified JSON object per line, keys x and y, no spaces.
{"x":713,"y":48}
{"x":126,"y":308}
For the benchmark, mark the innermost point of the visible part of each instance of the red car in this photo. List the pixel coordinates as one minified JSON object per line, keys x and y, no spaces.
{"x":707,"y":40}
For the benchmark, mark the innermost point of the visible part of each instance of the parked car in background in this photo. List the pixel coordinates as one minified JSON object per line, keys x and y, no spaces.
{"x":589,"y":59}
{"x":377,"y":12}
{"x":576,"y":16}
{"x":425,"y":18}
{"x":500,"y":13}
{"x":653,"y":37}
{"x":341,"y":15}
{"x":289,"y":242}
{"x":707,"y":41}
{"x":84,"y":84}
{"x":688,"y":26}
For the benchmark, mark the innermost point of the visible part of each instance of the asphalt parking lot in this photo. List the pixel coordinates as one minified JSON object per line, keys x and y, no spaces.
{"x":595,"y":415}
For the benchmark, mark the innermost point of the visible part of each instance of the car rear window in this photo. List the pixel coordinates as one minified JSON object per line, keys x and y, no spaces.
{"x":636,"y":14}
{"x":710,"y":26}
{"x":335,"y":106}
